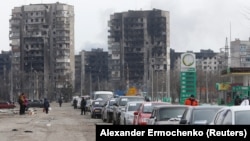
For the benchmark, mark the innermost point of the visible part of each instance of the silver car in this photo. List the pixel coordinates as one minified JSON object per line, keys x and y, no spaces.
{"x":166,"y":114}
{"x":127,"y":114}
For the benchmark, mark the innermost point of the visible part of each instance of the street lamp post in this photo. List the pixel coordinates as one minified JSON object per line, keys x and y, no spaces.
{"x":207,"y":98}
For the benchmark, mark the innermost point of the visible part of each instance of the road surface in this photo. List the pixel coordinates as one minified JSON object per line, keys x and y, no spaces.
{"x":61,"y":124}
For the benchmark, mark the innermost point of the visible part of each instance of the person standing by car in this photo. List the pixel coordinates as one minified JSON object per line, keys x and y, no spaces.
{"x":60,"y":101}
{"x":191,"y":101}
{"x":83,"y":106}
{"x":21,"y":101}
{"x":46,"y":105}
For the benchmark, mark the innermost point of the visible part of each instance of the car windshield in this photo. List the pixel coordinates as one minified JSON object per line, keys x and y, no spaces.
{"x":148,"y":107}
{"x":103,"y":96}
{"x":169,"y":113}
{"x":133,"y":106}
{"x":97,"y":103}
{"x":203,"y":114}
{"x":124,"y":101}
{"x":242,"y":117}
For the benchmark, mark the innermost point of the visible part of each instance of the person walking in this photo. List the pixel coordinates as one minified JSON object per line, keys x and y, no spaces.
{"x":60,"y":101}
{"x":75,"y":103}
{"x":191,"y":101}
{"x":83,"y":106}
{"x":46,"y":105}
{"x":21,"y":101}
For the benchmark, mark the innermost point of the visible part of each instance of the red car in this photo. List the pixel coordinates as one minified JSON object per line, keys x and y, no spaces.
{"x":143,"y":113}
{"x":6,"y":105}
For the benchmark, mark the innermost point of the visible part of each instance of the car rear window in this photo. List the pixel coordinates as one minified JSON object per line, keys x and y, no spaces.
{"x":203,"y":114}
{"x":133,"y":106}
{"x":168,"y":113}
{"x":242,"y":117}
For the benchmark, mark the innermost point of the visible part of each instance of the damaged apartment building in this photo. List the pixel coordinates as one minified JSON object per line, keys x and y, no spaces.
{"x":91,"y":71}
{"x":42,"y":45}
{"x":139,"y":50}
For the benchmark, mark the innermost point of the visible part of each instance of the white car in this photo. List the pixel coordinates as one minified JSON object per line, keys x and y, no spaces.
{"x":127,"y":114}
{"x":232,"y":115}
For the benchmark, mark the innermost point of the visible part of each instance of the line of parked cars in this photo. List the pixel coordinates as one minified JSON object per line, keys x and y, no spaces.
{"x":134,"y":110}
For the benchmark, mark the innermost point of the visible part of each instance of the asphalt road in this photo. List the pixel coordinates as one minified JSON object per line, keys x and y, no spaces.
{"x":61,"y":124}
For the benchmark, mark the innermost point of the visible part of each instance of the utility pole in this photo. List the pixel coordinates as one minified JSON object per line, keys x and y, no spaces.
{"x":127,"y":77}
{"x":152,"y":83}
{"x":207,"y":99}
{"x":90,"y":82}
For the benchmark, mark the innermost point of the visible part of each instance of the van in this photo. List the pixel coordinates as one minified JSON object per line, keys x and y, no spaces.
{"x":104,"y":95}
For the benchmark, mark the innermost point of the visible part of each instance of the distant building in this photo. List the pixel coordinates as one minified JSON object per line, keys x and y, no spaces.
{"x":240,"y":53}
{"x":91,"y":71}
{"x":5,"y":75}
{"x":42,"y":43}
{"x":139,"y":46}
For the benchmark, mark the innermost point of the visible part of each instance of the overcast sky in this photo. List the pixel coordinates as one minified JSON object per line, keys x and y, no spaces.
{"x":194,"y":24}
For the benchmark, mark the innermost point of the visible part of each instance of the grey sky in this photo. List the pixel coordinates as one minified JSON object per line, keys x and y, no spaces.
{"x":194,"y":24}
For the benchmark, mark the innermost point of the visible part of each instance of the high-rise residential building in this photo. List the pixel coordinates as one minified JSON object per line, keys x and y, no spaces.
{"x":139,"y":50}
{"x":240,"y":53}
{"x":42,"y":44}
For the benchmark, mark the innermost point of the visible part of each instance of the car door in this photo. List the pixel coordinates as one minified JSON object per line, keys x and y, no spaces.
{"x":218,"y":118}
{"x":227,"y":118}
{"x":153,"y":117}
{"x":135,"y":121}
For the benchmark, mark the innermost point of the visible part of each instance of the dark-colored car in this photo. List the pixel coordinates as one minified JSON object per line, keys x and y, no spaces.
{"x":199,"y":115}
{"x":121,"y":103}
{"x":96,"y":108}
{"x":6,"y":105}
{"x":166,"y":114}
{"x":35,"y":103}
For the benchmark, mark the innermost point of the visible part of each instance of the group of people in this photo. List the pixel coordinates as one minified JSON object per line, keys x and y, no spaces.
{"x":23,"y":103}
{"x":83,"y":105}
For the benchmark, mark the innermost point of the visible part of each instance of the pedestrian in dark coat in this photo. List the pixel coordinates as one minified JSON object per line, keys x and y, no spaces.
{"x":83,"y":106}
{"x":75,"y":103}
{"x":46,"y":105}
{"x":60,"y":102}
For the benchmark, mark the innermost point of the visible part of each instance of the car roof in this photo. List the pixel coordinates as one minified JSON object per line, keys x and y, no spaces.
{"x":207,"y":107}
{"x":145,"y":102}
{"x":130,"y":96}
{"x":238,"y":108}
{"x":163,"y":106}
{"x":135,"y":102}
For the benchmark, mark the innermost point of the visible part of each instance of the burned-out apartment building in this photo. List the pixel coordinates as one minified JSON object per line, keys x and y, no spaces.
{"x":5,"y":75}
{"x":42,"y":44}
{"x":91,"y":71}
{"x":139,"y":46}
